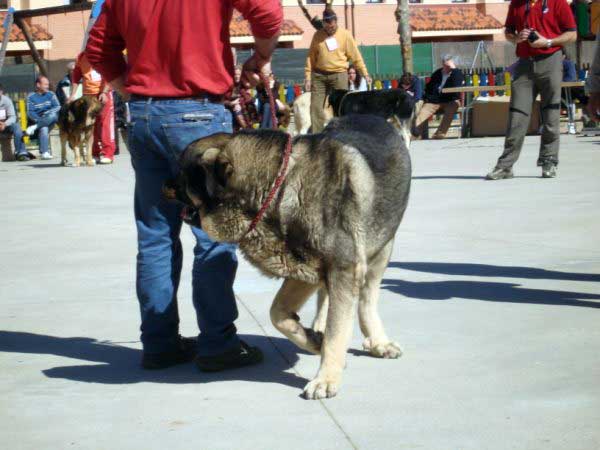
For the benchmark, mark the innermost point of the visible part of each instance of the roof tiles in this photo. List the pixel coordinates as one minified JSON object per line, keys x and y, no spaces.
{"x":451,"y":18}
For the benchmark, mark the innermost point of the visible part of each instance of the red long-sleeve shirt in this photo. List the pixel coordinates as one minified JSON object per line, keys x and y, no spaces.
{"x":175,"y":48}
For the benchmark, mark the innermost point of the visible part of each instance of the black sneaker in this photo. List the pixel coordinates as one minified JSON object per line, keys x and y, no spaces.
{"x":549,"y":171}
{"x":499,"y":174}
{"x":188,"y":347}
{"x":242,"y":356}
{"x":23,"y":157}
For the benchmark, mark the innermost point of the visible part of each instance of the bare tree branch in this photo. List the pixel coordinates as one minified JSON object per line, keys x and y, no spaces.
{"x":314,"y":21}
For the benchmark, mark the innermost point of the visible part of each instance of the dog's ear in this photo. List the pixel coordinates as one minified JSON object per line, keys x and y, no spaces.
{"x":217,"y":167}
{"x":169,"y":189}
{"x":204,"y":162}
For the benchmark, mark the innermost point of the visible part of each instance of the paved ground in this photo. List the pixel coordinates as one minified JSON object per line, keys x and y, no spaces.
{"x":493,"y":292}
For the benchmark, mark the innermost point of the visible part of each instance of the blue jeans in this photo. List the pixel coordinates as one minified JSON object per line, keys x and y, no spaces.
{"x":159,"y":132}
{"x":267,"y":120}
{"x":15,"y":130}
{"x":45,"y":125}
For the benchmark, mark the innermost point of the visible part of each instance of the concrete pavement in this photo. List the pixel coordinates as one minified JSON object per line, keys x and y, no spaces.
{"x":493,"y":292}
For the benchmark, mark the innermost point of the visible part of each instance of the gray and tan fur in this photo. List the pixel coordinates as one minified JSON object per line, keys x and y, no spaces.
{"x":331,"y":228}
{"x":76,"y":125}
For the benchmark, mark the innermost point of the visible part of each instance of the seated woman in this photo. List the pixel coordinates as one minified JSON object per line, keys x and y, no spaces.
{"x":282,"y":112}
{"x":356,"y":82}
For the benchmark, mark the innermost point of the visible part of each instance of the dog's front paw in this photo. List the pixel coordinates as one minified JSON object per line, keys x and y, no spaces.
{"x":315,"y":340}
{"x":91,"y":163}
{"x":320,"y":388}
{"x":387,"y":350}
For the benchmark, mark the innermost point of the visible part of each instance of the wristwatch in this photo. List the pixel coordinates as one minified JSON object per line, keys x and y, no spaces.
{"x":548,"y":43}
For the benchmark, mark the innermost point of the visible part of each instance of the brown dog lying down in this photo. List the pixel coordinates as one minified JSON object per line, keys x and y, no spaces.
{"x":76,"y":124}
{"x":331,"y":226}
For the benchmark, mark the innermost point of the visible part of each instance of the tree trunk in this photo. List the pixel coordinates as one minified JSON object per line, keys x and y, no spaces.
{"x":34,"y":52}
{"x":403,"y":18}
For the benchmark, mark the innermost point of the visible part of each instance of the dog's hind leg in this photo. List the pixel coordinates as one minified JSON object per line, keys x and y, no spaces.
{"x":376,"y":341}
{"x":291,"y":297}
{"x":337,"y":335}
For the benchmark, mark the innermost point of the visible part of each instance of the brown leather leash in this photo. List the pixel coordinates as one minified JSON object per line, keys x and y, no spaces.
{"x":282,"y":169}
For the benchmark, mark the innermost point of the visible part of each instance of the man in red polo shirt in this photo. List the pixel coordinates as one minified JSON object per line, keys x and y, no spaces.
{"x":539,"y":28}
{"x":179,"y":66}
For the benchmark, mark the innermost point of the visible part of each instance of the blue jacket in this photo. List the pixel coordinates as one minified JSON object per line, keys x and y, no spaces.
{"x":569,"y":70}
{"x":40,"y":105}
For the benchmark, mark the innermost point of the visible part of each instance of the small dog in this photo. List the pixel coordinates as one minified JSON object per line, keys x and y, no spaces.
{"x":76,"y":124}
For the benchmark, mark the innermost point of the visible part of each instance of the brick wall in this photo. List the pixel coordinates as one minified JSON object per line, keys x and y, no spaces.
{"x":67,"y":31}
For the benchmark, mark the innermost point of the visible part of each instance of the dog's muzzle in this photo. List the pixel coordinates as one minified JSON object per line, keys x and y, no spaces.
{"x":191,"y":216}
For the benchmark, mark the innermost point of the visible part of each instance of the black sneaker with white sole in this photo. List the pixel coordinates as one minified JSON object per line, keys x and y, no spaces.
{"x":244,"y":355}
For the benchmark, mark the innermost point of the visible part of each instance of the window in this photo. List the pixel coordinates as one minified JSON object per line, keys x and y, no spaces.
{"x":458,"y":1}
{"x":315,"y":1}
{"x":415,"y":1}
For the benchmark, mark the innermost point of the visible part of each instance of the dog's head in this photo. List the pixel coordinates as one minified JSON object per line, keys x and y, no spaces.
{"x":223,"y":179}
{"x":202,"y":184}
{"x":82,"y":112}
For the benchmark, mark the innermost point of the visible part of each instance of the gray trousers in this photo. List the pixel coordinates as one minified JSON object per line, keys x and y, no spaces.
{"x":532,"y":77}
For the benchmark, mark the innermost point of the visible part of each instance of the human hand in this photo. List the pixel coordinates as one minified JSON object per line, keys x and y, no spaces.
{"x":103,"y":97}
{"x":369,"y":80}
{"x":2,"y":126}
{"x":307,"y":85}
{"x":253,"y":68}
{"x":593,"y":106}
{"x":523,"y":35}
{"x":541,"y":42}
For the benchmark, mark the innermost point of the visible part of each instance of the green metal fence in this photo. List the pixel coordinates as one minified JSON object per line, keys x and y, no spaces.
{"x":386,"y":59}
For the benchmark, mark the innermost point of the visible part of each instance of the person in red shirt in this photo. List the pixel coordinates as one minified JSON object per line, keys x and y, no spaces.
{"x":179,"y":66}
{"x":539,"y":28}
{"x":104,"y":127}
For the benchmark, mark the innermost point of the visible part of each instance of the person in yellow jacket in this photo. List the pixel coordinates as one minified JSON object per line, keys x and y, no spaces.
{"x":331,"y":51}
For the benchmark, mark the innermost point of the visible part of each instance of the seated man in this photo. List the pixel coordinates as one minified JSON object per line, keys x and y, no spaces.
{"x":42,"y":110}
{"x":10,"y":125}
{"x":446,"y":77}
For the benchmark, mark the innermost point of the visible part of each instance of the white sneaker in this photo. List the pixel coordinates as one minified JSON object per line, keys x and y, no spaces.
{"x":46,"y":155}
{"x":105,"y":160}
{"x":30,"y":130}
{"x":571,"y":129}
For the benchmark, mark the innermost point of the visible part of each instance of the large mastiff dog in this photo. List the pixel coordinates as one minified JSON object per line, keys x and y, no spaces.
{"x":331,"y":227}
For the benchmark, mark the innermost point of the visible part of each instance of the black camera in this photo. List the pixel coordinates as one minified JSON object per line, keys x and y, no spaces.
{"x":533,"y":36}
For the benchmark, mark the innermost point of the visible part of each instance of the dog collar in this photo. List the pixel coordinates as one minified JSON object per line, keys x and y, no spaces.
{"x":275,"y":189}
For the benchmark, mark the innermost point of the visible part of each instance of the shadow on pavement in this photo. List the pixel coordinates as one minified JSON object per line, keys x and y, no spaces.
{"x":41,"y":165}
{"x":121,"y":365}
{"x":484,"y":270}
{"x":459,"y":177}
{"x":487,"y":291}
